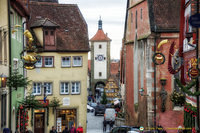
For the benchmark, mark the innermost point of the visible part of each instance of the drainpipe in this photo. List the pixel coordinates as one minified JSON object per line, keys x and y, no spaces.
{"x":155,"y":89}
{"x":197,"y":82}
{"x":155,"y":39}
{"x":10,"y":70}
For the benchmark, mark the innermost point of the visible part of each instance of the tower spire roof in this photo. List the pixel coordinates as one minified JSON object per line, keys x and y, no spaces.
{"x":100,"y":24}
{"x":100,"y":35}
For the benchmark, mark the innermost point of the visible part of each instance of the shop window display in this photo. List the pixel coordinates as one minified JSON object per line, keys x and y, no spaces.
{"x":66,"y":117}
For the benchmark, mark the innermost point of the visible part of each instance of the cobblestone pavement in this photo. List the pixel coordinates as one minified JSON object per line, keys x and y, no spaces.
{"x":95,"y":123}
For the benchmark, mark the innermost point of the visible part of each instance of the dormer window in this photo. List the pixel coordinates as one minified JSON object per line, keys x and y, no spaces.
{"x":49,"y":37}
{"x":48,"y":28}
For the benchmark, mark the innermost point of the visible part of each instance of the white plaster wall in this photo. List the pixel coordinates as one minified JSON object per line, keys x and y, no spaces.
{"x":100,"y":66}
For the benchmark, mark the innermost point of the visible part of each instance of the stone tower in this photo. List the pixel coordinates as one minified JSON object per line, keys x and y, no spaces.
{"x":100,"y":59}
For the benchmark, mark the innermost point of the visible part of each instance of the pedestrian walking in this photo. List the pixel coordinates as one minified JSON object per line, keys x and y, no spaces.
{"x":6,"y":130}
{"x":111,"y":124}
{"x":65,"y":130}
{"x":79,"y":129}
{"x":53,"y":130}
{"x":72,"y":129}
{"x":104,"y":126}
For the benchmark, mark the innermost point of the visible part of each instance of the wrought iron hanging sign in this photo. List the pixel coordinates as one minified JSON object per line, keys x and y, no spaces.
{"x":193,"y":71}
{"x":159,"y":58}
{"x":171,"y":53}
{"x":29,"y":60}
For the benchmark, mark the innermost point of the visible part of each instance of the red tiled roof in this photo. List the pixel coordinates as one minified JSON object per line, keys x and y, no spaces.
{"x":72,"y":35}
{"x":100,"y":36}
{"x":20,"y":8}
{"x":165,"y":15}
{"x":114,"y":68}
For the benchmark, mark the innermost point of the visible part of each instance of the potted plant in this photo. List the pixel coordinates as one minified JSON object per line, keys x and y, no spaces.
{"x":178,"y":98}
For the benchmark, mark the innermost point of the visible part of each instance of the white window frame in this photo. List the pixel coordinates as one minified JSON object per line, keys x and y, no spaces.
{"x":39,"y":64}
{"x":77,"y":87}
{"x":48,"y":86}
{"x":66,"y":63}
{"x":38,"y":88}
{"x":76,"y":62}
{"x":65,"y":87}
{"x":51,"y":65}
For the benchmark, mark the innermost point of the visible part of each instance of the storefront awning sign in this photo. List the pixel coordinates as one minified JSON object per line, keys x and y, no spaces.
{"x":45,"y":103}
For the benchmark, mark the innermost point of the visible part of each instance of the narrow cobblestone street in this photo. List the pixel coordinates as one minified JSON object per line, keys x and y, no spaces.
{"x":95,"y":123}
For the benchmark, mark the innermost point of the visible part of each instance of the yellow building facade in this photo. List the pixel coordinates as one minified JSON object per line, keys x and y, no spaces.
{"x":4,"y":66}
{"x":66,"y":83}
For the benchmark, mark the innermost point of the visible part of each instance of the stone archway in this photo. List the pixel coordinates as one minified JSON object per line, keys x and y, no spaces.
{"x":99,"y":89}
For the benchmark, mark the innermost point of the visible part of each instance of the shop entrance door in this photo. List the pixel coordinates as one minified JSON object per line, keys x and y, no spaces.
{"x":39,"y":123}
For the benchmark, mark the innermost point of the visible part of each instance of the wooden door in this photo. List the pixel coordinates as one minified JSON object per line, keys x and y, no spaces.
{"x":39,"y":123}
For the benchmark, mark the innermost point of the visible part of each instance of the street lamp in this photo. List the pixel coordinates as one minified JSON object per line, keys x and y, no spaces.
{"x":163,"y":94}
{"x":142,"y":92}
{"x":3,"y":80}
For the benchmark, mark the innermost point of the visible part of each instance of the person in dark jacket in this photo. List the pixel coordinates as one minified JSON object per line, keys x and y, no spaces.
{"x":104,"y":126}
{"x":65,"y":130}
{"x":111,"y":123}
{"x":72,"y":129}
{"x":53,"y":130}
{"x":6,"y":130}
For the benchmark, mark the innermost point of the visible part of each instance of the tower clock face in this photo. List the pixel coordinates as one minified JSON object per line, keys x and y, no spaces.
{"x":100,"y":57}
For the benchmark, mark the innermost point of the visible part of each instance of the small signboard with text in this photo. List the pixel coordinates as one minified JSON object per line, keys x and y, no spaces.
{"x":66,"y":101}
{"x":43,"y":103}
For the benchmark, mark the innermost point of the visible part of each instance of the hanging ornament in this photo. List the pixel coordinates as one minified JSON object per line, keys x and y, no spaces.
{"x":159,"y":58}
{"x":193,"y":72}
{"x":29,"y":60}
{"x":171,"y":53}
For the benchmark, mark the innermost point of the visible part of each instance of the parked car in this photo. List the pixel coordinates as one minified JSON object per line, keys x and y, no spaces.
{"x":109,"y":105}
{"x":100,"y":109}
{"x":125,"y":129}
{"x":109,"y":115}
{"x":93,"y":105}
{"x":133,"y":132}
{"x":90,"y":109}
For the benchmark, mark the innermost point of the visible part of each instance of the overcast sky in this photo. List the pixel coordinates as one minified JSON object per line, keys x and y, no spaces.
{"x":112,"y":13}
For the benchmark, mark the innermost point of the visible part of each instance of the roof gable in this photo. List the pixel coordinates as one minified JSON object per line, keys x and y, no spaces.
{"x":44,"y":22}
{"x":100,"y":36}
{"x":72,"y":34}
